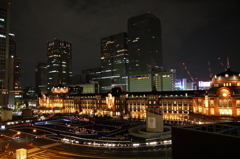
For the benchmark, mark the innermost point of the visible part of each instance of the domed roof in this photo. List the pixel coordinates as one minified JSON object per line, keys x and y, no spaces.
{"x":227,"y":75}
{"x":228,"y":72}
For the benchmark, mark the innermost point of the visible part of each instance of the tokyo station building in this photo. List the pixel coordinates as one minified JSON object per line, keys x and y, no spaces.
{"x":220,"y":101}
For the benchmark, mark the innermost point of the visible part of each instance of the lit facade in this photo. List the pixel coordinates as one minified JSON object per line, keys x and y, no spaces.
{"x":57,"y":102}
{"x":184,"y":84}
{"x":114,"y":59}
{"x":165,"y":80}
{"x":59,"y":62}
{"x":88,"y":88}
{"x":221,"y":100}
{"x":161,"y":81}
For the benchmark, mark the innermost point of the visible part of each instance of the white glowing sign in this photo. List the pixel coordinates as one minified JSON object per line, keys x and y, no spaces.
{"x":204,"y":83}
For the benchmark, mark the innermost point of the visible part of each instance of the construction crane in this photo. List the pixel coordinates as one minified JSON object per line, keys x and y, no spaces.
{"x":225,"y":69}
{"x":209,"y":69}
{"x":228,"y":63}
{"x":194,"y":80}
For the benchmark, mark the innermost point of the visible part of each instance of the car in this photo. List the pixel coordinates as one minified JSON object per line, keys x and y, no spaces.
{"x":41,"y":136}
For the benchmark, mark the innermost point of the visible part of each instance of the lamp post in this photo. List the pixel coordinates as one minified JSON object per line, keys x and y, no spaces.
{"x":19,"y":132}
{"x":34,"y":130}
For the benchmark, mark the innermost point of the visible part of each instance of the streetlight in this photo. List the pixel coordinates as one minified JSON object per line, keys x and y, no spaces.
{"x":34,"y":130}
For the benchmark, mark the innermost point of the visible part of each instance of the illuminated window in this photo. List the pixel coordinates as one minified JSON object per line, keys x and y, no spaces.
{"x":2,"y":36}
{"x":175,"y":108}
{"x":212,"y":111}
{"x":238,"y":102}
{"x":238,"y":111}
{"x":174,"y":103}
{"x":227,"y":84}
{"x":211,"y":103}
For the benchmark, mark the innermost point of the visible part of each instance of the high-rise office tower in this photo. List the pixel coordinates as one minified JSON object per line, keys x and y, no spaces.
{"x":4,"y":52}
{"x":15,"y":92}
{"x":59,"y":62}
{"x":144,"y":43}
{"x":15,"y":89}
{"x":15,"y":65}
{"x":41,"y":78}
{"x":114,"y":59}
{"x":145,"y":51}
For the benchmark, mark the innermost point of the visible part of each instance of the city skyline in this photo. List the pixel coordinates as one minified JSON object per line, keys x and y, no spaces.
{"x":191,"y":30}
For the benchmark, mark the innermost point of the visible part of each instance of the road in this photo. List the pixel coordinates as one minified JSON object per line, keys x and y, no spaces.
{"x":44,"y":148}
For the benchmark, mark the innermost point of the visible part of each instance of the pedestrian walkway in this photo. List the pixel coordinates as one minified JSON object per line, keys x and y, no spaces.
{"x":33,"y":150}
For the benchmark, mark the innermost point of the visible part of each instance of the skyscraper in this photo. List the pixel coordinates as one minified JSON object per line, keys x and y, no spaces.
{"x":145,"y":43}
{"x":4,"y":52}
{"x":59,"y":62}
{"x":41,"y":78}
{"x":15,"y":89}
{"x":15,"y":92}
{"x":145,"y":51}
{"x":114,"y":59}
{"x":15,"y":65}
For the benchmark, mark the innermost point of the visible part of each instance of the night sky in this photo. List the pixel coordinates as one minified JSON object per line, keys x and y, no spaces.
{"x":193,"y":31}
